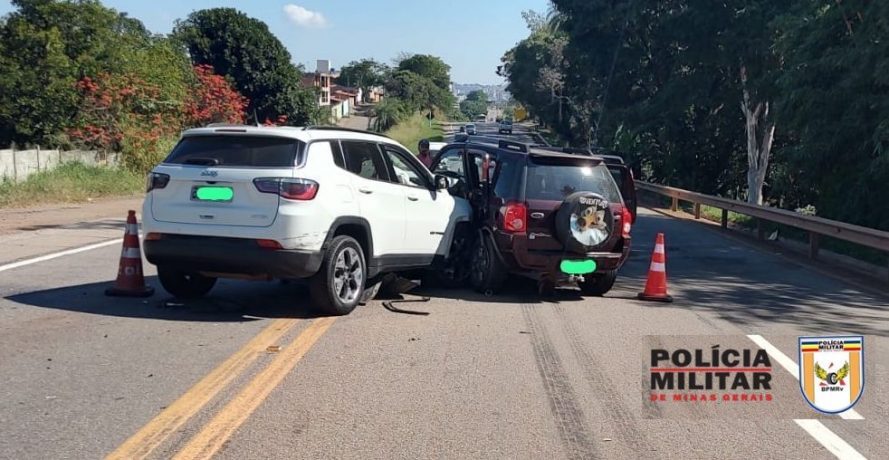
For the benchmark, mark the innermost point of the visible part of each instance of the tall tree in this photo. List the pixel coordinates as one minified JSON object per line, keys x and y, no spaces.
{"x":833,"y":100}
{"x":363,"y":74}
{"x":244,"y":49}
{"x":427,"y":66}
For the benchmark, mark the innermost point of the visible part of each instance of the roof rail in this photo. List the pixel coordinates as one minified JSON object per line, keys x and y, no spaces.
{"x":337,"y":128}
{"x":513,"y":145}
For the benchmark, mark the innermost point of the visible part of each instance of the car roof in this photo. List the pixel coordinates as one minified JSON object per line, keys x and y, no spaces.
{"x":302,"y":133}
{"x":532,"y":151}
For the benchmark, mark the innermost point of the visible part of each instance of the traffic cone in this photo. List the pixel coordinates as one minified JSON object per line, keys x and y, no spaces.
{"x":130,"y":282}
{"x":656,"y":285}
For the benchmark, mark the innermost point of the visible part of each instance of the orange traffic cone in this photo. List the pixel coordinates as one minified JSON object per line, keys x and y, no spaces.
{"x":130,"y":282}
{"x":656,"y":285}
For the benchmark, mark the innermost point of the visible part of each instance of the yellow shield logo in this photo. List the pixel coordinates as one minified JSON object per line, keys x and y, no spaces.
{"x":831,"y":372}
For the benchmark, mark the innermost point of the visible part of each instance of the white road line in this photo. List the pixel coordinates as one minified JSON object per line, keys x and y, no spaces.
{"x":56,"y":255}
{"x":833,"y":443}
{"x":792,"y":367}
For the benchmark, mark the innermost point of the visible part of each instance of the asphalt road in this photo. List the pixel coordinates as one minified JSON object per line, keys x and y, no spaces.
{"x":510,"y":376}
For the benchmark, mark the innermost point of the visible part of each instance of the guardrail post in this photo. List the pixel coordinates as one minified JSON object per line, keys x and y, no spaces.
{"x":674,"y":206}
{"x":813,"y":245}
{"x":697,"y":210}
{"x":725,"y":218}
{"x":760,"y":230}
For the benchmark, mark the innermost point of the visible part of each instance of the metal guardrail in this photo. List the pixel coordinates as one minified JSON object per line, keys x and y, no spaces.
{"x":816,"y":226}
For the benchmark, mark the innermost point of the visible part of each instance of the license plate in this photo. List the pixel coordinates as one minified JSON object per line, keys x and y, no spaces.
{"x":212,"y":193}
{"x":578,"y":267}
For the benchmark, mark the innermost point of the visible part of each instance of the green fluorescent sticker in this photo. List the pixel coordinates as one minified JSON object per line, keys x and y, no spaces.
{"x":578,"y":267}
{"x":214,"y":193}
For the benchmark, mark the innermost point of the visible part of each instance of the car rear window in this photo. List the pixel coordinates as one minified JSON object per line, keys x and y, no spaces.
{"x":554,"y":181}
{"x":228,"y":150}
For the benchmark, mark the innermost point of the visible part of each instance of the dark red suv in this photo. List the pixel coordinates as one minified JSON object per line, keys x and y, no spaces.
{"x":548,"y":215}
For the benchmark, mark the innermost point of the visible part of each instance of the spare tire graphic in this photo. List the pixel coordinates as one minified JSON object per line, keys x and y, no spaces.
{"x":584,"y":221}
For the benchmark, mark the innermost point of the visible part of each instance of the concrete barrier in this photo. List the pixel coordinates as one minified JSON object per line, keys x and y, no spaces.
{"x":17,"y":165}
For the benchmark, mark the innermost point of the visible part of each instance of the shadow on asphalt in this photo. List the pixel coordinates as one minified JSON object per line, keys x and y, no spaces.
{"x":229,"y":301}
{"x":751,"y":287}
{"x":105,"y":224}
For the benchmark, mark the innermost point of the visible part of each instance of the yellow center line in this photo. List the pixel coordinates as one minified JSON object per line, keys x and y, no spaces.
{"x":141,"y":444}
{"x":211,"y":438}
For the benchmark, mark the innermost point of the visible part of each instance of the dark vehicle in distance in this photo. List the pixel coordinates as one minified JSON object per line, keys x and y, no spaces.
{"x":551,"y":216}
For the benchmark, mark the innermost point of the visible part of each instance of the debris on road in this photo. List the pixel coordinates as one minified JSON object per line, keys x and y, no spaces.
{"x":273,"y":348}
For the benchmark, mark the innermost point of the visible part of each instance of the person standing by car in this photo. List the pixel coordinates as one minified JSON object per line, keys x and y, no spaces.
{"x":425,"y":155}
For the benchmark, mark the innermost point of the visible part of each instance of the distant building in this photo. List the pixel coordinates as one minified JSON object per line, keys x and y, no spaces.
{"x":321,"y":79}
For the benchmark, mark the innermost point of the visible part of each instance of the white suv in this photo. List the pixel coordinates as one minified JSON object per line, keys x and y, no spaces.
{"x":340,"y":207}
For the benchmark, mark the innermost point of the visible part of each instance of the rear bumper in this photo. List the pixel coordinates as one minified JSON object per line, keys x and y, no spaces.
{"x":519,"y":257}
{"x":233,"y":256}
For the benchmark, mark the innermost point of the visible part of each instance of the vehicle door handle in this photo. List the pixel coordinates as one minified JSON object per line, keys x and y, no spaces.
{"x":412,"y":198}
{"x":365,"y":191}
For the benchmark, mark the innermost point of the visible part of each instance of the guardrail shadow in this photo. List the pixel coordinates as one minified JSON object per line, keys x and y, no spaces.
{"x":227,"y":302}
{"x":754,"y":288}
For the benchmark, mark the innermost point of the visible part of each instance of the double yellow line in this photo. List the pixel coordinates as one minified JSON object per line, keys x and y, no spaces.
{"x":223,"y":425}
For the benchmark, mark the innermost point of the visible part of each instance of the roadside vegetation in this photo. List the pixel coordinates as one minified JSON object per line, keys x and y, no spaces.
{"x":409,"y":132}
{"x":110,"y":84}
{"x":778,"y":103}
{"x":71,"y":183}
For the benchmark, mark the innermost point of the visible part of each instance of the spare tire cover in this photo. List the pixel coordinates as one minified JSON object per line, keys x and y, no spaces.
{"x":584,"y":222}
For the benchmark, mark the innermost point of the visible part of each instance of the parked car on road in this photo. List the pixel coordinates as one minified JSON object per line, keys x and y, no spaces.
{"x":551,"y":216}
{"x":338,"y":207}
{"x":470,"y":129}
{"x":505,"y":127}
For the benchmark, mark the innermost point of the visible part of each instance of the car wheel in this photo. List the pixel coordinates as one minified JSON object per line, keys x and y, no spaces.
{"x":488,"y":271}
{"x":597,"y":285}
{"x":338,"y":286}
{"x":457,"y":266}
{"x":183,"y":284}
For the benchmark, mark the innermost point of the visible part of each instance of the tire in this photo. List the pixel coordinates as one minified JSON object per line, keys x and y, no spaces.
{"x":597,"y":285}
{"x":183,"y":284}
{"x":338,"y":286}
{"x":488,"y":273}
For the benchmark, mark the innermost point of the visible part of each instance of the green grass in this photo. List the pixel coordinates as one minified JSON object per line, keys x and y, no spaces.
{"x":70,"y":183}
{"x":409,"y":132}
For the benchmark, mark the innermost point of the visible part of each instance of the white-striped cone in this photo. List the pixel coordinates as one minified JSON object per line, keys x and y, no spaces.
{"x":130,"y":281}
{"x":656,"y":285}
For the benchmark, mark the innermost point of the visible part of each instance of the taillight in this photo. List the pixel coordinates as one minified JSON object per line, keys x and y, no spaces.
{"x":626,"y":222}
{"x":288,"y":187}
{"x":156,"y":181}
{"x":515,"y":217}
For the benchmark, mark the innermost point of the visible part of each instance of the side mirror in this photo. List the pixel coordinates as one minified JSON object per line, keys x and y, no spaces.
{"x":441,"y":182}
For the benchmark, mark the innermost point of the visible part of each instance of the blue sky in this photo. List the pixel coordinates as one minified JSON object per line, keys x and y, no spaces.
{"x":470,"y":35}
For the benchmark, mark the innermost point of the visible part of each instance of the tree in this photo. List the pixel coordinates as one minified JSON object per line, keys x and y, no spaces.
{"x":213,"y":100}
{"x":243,"y":49}
{"x":833,"y":101}
{"x":477,"y":95}
{"x":363,"y":74}
{"x":47,"y":46}
{"x":430,"y":67}
{"x":416,"y":91}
